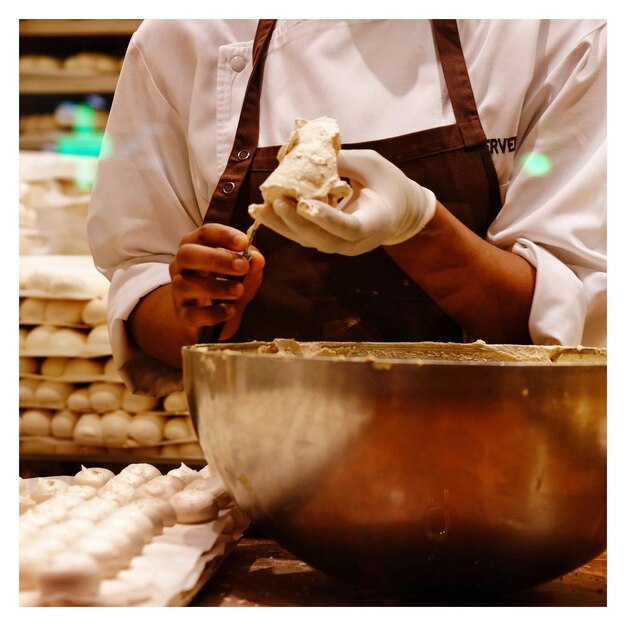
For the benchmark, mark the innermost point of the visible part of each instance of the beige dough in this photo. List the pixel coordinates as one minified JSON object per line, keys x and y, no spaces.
{"x":96,"y":509}
{"x":86,"y":368}
{"x":105,"y":397}
{"x":186,"y":474}
{"x":156,"y":508}
{"x":28,"y":387}
{"x":135,"y":403}
{"x":86,"y":492}
{"x":117,"y":490}
{"x":215,"y":487}
{"x":67,"y":340}
{"x":110,"y":369}
{"x":32,"y":311}
{"x":98,"y":338}
{"x":64,"y":311}
{"x":54,"y":366}
{"x":69,"y":574}
{"x":23,"y":337}
{"x":29,"y":365}
{"x":146,"y":428}
{"x":307,"y":167}
{"x":23,"y":486}
{"x":37,"y":281}
{"x":115,"y":426}
{"x":194,"y":506}
{"x":88,"y":430}
{"x":190,"y":450}
{"x":146,"y":470}
{"x":126,"y":545}
{"x":26,"y":503}
{"x":36,"y":422}
{"x":178,"y":428}
{"x":95,"y":312}
{"x":53,"y":392}
{"x":163,"y":487}
{"x":92,"y":61}
{"x":131,"y":517}
{"x":108,"y":556}
{"x":175,"y":402}
{"x":78,"y":400}
{"x":94,"y":476}
{"x":33,"y":557}
{"x":63,"y":423}
{"x":45,"y":488}
{"x":134,"y":480}
{"x":38,"y":338}
{"x":39,"y":62}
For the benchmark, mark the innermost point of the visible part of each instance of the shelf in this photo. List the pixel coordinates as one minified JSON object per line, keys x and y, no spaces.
{"x":69,"y":28}
{"x":56,"y":83}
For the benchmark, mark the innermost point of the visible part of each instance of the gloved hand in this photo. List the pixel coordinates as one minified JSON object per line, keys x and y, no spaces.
{"x":385,"y":208}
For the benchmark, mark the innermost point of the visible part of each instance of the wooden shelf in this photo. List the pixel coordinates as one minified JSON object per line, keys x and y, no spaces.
{"x":58,"y":83}
{"x":71,"y":28}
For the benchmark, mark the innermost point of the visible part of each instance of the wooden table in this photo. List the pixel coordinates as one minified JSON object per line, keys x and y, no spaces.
{"x":259,"y":572}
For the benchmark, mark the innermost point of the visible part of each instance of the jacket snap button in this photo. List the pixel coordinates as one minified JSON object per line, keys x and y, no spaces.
{"x":228,"y":187}
{"x":237,"y":63}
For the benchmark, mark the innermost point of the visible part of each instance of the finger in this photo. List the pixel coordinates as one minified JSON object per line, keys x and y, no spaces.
{"x":217,"y":236}
{"x":191,"y":288}
{"x":345,"y":226}
{"x":205,"y":260}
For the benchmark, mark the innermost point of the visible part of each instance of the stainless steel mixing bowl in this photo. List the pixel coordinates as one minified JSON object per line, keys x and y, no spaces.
{"x":411,"y":466}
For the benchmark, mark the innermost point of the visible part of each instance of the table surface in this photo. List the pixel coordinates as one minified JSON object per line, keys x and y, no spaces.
{"x":260,"y":573}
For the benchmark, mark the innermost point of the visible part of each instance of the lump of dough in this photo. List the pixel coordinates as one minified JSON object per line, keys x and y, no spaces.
{"x":53,"y":392}
{"x":163,"y":487}
{"x":78,"y":400}
{"x":175,"y":402}
{"x":190,"y":450}
{"x":129,"y":516}
{"x":95,"y":312}
{"x":64,"y":311}
{"x":29,"y":365}
{"x":95,"y":476}
{"x":28,"y":387}
{"x":88,"y":430}
{"x":86,"y":492}
{"x":110,"y":370}
{"x":54,"y":366}
{"x":38,"y":338}
{"x":117,"y":489}
{"x":186,"y":474}
{"x":215,"y":487}
{"x":132,"y":479}
{"x":37,"y":281}
{"x":135,"y":403}
{"x":33,"y":556}
{"x":307,"y":166}
{"x":147,"y":428}
{"x":178,"y":428}
{"x":32,"y":311}
{"x":194,"y":506}
{"x":109,"y":556}
{"x":157,"y":508}
{"x":26,"y":503}
{"x":63,"y":423}
{"x":67,"y":340}
{"x":146,"y":470}
{"x":84,"y":368}
{"x":45,"y":488}
{"x":36,"y":422}
{"x":115,"y":426}
{"x":69,"y":574}
{"x":96,"y":509}
{"x":98,"y":338}
{"x":105,"y":397}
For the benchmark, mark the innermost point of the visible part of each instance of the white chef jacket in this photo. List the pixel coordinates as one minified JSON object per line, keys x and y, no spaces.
{"x":540,"y":88}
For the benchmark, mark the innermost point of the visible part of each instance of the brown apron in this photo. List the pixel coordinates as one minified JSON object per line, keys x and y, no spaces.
{"x":311,"y":296}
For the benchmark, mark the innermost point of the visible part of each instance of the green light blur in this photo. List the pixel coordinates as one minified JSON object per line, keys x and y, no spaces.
{"x":537,"y":164}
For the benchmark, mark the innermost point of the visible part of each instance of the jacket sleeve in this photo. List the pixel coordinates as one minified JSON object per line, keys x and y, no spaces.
{"x":142,"y":203}
{"x":554,"y":210}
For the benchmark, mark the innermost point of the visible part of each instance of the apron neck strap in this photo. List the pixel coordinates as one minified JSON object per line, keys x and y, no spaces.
{"x":460,"y":91}
{"x":247,"y":137}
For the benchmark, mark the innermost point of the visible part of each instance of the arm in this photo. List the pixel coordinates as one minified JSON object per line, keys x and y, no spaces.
{"x":172,"y":315}
{"x":487,"y":290}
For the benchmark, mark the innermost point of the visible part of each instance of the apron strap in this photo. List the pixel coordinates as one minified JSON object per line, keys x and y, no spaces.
{"x":458,"y":83}
{"x":225,"y":195}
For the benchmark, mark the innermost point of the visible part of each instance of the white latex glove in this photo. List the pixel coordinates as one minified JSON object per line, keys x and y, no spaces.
{"x":385,"y":208}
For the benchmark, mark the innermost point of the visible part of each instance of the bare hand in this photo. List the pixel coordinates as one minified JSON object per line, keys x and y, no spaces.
{"x":202,"y":293}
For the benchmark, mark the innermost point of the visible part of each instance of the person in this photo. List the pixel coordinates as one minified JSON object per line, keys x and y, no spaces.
{"x":476,"y":149}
